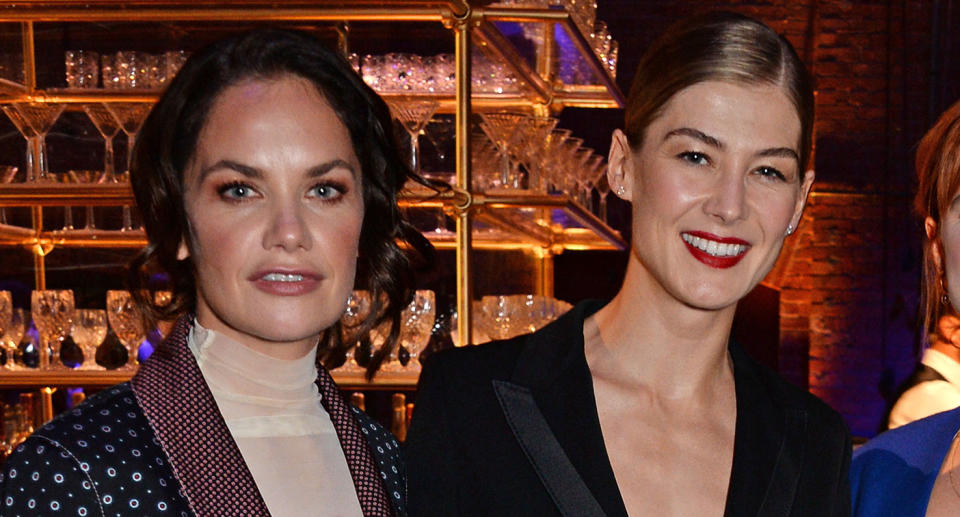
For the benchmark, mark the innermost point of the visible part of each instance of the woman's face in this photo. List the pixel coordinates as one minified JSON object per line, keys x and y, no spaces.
{"x":714,"y":187}
{"x":274,"y":203}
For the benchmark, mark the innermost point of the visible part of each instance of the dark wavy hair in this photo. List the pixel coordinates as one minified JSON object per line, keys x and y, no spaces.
{"x":168,"y":140}
{"x":718,"y":46}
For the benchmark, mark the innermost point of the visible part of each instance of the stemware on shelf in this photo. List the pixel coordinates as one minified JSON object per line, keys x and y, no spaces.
{"x":89,"y":330}
{"x":356,"y":312}
{"x":502,"y":128}
{"x":417,"y":323}
{"x":6,"y":310}
{"x":53,"y":312}
{"x":87,"y":176}
{"x":549,"y":160}
{"x":7,"y":175}
{"x":12,"y":335}
{"x":414,"y":116}
{"x":126,"y":322}
{"x":106,"y":123}
{"x":532,"y":133}
{"x":578,"y":174}
{"x":40,"y":117}
{"x":130,"y":115}
{"x":567,"y":155}
{"x":506,"y":316}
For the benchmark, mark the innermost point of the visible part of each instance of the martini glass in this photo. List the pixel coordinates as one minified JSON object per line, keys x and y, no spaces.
{"x":130,"y":115}
{"x":502,"y":127}
{"x":28,"y":134}
{"x":414,"y":115}
{"x":7,"y":174}
{"x":108,"y":127}
{"x":532,"y":134}
{"x":40,"y":117}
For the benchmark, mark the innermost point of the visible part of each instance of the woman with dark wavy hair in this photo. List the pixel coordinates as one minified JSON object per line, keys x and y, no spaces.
{"x":267,"y":177}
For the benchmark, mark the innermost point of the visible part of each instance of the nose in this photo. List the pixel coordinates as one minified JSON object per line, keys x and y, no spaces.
{"x":727,"y":200}
{"x":287,"y":228}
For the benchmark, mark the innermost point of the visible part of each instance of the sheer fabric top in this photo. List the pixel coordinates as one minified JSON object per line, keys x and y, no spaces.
{"x":272,"y":408}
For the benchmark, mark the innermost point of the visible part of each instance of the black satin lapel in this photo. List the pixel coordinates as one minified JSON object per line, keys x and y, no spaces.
{"x":768,"y":447}
{"x":554,"y":368}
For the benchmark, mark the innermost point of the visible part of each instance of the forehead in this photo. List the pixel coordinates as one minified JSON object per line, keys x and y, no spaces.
{"x":279,"y":118}
{"x":763,"y":113}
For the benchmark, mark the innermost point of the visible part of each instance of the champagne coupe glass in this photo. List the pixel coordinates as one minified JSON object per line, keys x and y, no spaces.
{"x":414,"y":115}
{"x":40,"y":117}
{"x":7,"y":174}
{"x":89,"y":330}
{"x":356,"y":312}
{"x":53,"y":312}
{"x":125,"y":320}
{"x":12,"y":335}
{"x":417,"y":320}
{"x":130,"y":115}
{"x":502,"y":127}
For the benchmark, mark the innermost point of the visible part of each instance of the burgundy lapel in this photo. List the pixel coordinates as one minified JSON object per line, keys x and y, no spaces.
{"x":366,"y":477}
{"x":176,"y":401}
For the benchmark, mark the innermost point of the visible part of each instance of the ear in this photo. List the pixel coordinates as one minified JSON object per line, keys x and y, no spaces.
{"x":183,"y":251}
{"x":620,"y":166}
{"x":802,"y":198}
{"x":930,"y":226}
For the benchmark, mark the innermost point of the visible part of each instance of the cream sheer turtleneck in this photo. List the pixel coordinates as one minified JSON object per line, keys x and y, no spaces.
{"x":272,"y":408}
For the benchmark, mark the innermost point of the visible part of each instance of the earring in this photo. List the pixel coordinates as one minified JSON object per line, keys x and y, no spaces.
{"x":621,"y":191}
{"x":790,"y":229}
{"x":944,"y":298}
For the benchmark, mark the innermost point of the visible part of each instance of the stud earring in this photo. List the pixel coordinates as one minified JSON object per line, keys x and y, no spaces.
{"x":790,"y":229}
{"x":621,"y":191}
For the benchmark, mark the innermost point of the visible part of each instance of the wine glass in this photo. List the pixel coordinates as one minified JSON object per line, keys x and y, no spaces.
{"x":417,"y":320}
{"x":53,"y":312}
{"x":414,"y":115}
{"x":12,"y":335}
{"x":356,"y":312}
{"x":124,"y":318}
{"x":89,"y":330}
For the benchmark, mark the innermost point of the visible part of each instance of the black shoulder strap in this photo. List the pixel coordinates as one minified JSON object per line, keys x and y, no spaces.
{"x":542,"y":449}
{"x":925,"y":374}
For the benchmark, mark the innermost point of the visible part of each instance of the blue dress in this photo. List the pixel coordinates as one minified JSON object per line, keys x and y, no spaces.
{"x":893,"y":474}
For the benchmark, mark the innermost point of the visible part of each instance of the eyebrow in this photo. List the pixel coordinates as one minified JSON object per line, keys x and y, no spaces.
{"x":777,"y":152}
{"x":255,"y":173}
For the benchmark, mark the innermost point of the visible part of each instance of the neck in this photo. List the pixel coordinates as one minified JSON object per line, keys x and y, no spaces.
{"x":286,"y":350}
{"x":645,"y":336}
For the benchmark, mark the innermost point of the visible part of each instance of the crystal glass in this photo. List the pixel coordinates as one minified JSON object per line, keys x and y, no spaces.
{"x":34,"y":122}
{"x":53,"y":313}
{"x":414,"y":116}
{"x":532,"y":133}
{"x":502,"y":128}
{"x":89,"y":330}
{"x":12,"y":335}
{"x":506,"y":316}
{"x":417,"y":320}
{"x":130,"y":115}
{"x":6,"y":311}
{"x":355,"y":313}
{"x":108,"y":127}
{"x":125,"y":320}
{"x":88,"y":177}
{"x":7,"y":174}
{"x":173,"y":60}
{"x":82,"y":68}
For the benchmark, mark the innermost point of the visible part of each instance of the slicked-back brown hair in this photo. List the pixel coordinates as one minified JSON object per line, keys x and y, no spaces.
{"x":718,"y":46}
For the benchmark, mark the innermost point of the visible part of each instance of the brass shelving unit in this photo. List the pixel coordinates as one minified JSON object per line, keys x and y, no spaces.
{"x":484,"y":220}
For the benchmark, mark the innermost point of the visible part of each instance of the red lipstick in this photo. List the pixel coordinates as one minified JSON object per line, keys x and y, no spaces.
{"x":713,"y":260}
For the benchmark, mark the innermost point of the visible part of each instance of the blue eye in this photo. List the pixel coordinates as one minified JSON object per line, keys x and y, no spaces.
{"x":328,"y":191}
{"x":235,"y":190}
{"x":695,"y":158}
{"x":770,"y":172}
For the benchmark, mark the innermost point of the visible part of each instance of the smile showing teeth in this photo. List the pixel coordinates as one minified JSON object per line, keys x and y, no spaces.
{"x":281,"y":277}
{"x":717,"y":249}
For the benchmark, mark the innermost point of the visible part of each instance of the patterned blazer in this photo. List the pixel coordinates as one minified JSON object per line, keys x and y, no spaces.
{"x":158,"y":445}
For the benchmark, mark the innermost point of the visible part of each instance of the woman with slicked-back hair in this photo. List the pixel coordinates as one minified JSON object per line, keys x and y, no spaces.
{"x":644,"y":405}
{"x":267,"y":177}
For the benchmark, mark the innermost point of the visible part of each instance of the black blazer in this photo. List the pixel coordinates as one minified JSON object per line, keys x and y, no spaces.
{"x":791,"y":451}
{"x":158,"y":446}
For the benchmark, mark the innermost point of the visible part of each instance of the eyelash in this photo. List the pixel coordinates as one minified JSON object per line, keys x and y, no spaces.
{"x":695,"y":158}
{"x":339,"y":191}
